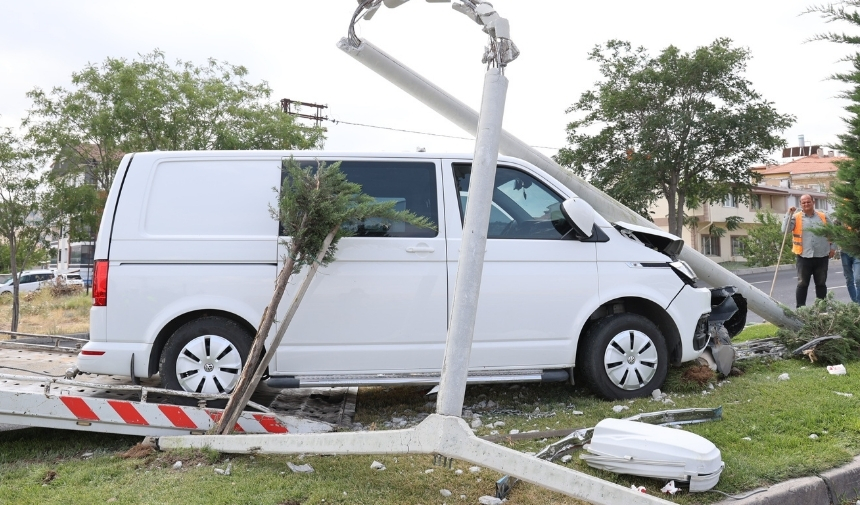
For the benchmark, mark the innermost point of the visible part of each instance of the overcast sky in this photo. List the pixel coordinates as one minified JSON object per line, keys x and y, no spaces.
{"x":291,"y":44}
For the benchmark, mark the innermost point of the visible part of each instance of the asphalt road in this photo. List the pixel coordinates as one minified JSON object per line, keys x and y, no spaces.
{"x":786,"y":281}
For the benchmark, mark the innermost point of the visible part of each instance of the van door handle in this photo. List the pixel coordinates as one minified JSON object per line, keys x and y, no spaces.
{"x":420,"y":249}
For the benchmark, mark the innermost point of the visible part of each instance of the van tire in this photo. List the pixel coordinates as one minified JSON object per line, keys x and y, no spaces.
{"x":185,"y":355}
{"x":624,"y":356}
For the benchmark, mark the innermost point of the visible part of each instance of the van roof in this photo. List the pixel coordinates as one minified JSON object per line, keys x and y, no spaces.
{"x":318,"y":154}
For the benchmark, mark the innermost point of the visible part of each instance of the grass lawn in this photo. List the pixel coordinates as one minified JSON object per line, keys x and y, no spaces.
{"x":764,"y":437}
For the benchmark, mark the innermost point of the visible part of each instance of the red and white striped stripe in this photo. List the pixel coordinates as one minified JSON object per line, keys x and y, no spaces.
{"x":165,"y":416}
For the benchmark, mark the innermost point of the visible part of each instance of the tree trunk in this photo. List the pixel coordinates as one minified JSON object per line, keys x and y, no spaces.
{"x":253,"y":370}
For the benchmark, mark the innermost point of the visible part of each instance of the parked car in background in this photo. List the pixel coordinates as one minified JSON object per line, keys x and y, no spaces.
{"x":30,"y":280}
{"x":70,"y":279}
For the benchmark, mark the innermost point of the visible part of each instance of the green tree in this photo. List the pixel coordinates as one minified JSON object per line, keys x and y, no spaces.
{"x":763,"y":242}
{"x":122,"y":106}
{"x":846,"y":189}
{"x":683,"y":126}
{"x":21,"y":224}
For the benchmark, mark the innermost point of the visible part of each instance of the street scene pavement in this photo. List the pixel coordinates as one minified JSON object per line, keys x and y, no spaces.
{"x":786,"y":280}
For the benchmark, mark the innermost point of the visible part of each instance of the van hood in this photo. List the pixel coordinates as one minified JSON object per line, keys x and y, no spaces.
{"x":666,"y":243}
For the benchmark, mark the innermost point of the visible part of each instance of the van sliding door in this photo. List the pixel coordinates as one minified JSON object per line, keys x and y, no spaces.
{"x":380,"y":307}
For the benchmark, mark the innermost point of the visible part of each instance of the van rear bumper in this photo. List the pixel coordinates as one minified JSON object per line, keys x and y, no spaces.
{"x":112,"y":358}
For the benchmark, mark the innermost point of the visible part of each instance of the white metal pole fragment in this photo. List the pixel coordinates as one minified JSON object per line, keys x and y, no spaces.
{"x":467,"y":118}
{"x":458,"y":348}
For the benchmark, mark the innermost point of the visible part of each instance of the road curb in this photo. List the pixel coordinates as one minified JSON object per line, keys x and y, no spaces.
{"x":761,"y":270}
{"x":843,"y":484}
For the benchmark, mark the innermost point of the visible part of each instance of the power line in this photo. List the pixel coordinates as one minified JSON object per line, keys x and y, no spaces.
{"x":335,"y":121}
{"x":286,"y":105}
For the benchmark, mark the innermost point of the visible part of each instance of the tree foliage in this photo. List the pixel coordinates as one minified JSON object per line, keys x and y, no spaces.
{"x":763,"y":242}
{"x":845,"y":231}
{"x":122,"y":106}
{"x":21,"y":224}
{"x":684,"y":126}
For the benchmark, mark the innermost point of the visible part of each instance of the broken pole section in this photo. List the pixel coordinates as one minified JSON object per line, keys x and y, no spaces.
{"x":470,"y":265}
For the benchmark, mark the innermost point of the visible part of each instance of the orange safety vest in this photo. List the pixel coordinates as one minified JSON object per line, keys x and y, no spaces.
{"x":797,"y":233}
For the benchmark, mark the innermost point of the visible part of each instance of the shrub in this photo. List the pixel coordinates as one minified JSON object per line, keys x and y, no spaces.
{"x":823,"y":318}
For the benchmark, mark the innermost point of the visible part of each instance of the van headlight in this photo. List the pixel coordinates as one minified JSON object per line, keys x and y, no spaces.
{"x":684,"y":271}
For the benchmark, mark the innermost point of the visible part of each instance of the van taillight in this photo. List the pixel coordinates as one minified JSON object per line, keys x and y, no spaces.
{"x":100,"y":275}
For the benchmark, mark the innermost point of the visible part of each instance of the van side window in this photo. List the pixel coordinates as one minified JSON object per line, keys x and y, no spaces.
{"x":522,"y":208}
{"x":411,"y":185}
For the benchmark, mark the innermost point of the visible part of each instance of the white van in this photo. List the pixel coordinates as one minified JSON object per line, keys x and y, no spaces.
{"x":188,"y":251}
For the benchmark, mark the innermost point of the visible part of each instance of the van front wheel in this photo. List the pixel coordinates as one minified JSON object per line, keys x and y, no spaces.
{"x":624,"y":356}
{"x":205,"y":356}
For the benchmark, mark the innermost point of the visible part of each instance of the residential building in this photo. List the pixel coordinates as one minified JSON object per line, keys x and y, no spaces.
{"x":780,"y":189}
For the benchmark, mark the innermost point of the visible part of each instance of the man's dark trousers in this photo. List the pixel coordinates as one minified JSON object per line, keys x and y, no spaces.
{"x":816,"y":268}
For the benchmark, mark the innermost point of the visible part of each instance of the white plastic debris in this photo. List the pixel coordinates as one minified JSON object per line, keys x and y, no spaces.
{"x":429,"y":470}
{"x":376,"y":465}
{"x":837,"y":370}
{"x":620,"y":408}
{"x":641,"y":489}
{"x":219,"y":471}
{"x":566,"y":458}
{"x":849,"y":395}
{"x":300,"y":468}
{"x":813,"y":437}
{"x":498,"y":424}
{"x":576,"y":412}
{"x":670,"y":488}
{"x":783,"y":377}
{"x":177,"y":465}
{"x":646,"y":450}
{"x":445,"y":492}
{"x":474,"y":469}
{"x":458,"y":472}
{"x":476,"y":423}
{"x":489,"y":500}
{"x":747,"y":439}
{"x":87,"y":455}
{"x":227,"y":470}
{"x":514,"y":432}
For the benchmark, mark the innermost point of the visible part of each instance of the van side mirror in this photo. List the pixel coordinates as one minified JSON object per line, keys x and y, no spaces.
{"x":579,"y":215}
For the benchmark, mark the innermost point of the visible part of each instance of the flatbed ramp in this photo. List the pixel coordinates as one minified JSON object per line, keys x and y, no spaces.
{"x":34,"y":392}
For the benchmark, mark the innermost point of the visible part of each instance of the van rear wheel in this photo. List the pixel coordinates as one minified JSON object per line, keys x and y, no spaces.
{"x":205,"y":356}
{"x":624,"y":356}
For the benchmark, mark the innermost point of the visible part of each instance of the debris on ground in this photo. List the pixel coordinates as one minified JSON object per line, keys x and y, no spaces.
{"x":783,"y":377}
{"x":836,"y":370}
{"x":376,"y":465}
{"x":848,"y":395}
{"x":489,"y":500}
{"x":641,"y":489}
{"x":670,"y":488}
{"x":300,"y":468}
{"x":445,"y":492}
{"x":619,"y":408}
{"x":177,"y":465}
{"x":700,"y":374}
{"x":137,"y":451}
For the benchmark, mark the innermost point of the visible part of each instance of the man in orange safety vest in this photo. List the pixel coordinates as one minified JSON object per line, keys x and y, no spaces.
{"x":812,"y":251}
